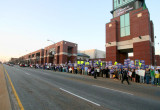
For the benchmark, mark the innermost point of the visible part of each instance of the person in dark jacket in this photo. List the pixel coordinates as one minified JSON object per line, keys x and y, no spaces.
{"x":134,"y":76}
{"x":125,"y":76}
{"x":106,"y":71}
{"x":95,"y":73}
{"x":147,"y":74}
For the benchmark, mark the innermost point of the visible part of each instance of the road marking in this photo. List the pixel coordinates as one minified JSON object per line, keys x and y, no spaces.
{"x":26,"y":73}
{"x":113,"y":90}
{"x":37,"y":71}
{"x":14,"y":91}
{"x":80,"y":97}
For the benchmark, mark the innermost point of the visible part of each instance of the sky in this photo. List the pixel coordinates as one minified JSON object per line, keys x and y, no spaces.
{"x":26,"y":25}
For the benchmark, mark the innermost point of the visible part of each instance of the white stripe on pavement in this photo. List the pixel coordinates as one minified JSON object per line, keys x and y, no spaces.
{"x":80,"y":97}
{"x":26,"y":73}
{"x":113,"y":90}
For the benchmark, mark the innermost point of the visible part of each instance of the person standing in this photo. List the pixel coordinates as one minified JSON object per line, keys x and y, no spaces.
{"x":75,"y":69}
{"x":95,"y":73}
{"x":86,"y":70}
{"x":142,"y":79}
{"x":111,"y":73}
{"x":92,"y":71}
{"x":107,"y":72}
{"x":98,"y":71}
{"x":125,"y":76}
{"x":133,"y":75}
{"x":116,"y":73}
{"x":152,"y":76}
{"x":159,"y":76}
{"x":147,"y":73}
{"x":156,"y":77}
{"x":72,"y":69}
{"x":120,"y":74}
{"x":82,"y":70}
{"x":137,"y":77}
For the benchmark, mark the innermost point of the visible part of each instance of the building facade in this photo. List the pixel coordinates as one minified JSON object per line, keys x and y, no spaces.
{"x":157,"y":60}
{"x":94,"y":53}
{"x":130,"y":31}
{"x":58,"y":53}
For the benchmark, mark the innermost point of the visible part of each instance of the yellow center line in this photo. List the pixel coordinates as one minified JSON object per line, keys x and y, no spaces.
{"x":14,"y":91}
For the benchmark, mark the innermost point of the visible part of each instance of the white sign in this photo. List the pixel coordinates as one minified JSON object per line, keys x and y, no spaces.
{"x":158,"y":67}
{"x":140,"y":72}
{"x":122,"y":11}
{"x":129,"y":73}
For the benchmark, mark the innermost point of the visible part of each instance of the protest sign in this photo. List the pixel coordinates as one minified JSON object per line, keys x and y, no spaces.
{"x":140,"y":72}
{"x":129,"y":73}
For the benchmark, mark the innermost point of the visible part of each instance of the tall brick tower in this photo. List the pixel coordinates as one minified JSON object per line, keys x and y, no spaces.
{"x":130,"y":31}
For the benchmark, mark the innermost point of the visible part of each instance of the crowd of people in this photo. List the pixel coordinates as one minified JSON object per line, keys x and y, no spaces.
{"x":151,"y":75}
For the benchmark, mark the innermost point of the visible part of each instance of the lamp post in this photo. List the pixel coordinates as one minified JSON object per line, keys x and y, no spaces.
{"x":52,"y":51}
{"x":51,"y":41}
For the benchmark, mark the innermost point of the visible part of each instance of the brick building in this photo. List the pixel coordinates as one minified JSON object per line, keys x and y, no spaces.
{"x":157,"y":60}
{"x":130,"y":31}
{"x":58,"y":53}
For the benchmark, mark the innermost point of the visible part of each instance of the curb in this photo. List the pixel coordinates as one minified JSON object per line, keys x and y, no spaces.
{"x":14,"y":91}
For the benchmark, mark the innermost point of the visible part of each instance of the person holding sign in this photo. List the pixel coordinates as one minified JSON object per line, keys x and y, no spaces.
{"x":142,"y":74}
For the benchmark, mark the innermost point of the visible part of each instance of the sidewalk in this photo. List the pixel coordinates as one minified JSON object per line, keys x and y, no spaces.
{"x":4,"y":96}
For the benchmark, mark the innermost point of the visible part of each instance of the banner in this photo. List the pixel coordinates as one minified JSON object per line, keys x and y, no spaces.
{"x":110,"y":63}
{"x":140,"y":72}
{"x":130,"y":73}
{"x":158,"y":67}
{"x":137,"y":62}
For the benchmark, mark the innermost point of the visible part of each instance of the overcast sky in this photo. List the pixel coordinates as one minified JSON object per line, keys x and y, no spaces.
{"x":25,"y":25}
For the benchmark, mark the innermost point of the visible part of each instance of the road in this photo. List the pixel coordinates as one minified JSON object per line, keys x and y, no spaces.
{"x":48,"y":90}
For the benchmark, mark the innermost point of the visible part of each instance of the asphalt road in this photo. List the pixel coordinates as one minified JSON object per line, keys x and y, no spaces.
{"x":48,"y":90}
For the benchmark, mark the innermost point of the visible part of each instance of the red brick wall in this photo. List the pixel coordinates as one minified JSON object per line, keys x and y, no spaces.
{"x":139,"y":26}
{"x":157,"y":58}
{"x":111,"y":34}
{"x":111,"y":54}
{"x":143,"y":51}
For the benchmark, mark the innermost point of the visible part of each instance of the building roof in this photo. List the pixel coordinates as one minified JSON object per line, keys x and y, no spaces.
{"x":83,"y":55}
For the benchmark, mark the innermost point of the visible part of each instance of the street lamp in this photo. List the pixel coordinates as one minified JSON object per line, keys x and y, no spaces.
{"x":51,"y":41}
{"x":53,"y":52}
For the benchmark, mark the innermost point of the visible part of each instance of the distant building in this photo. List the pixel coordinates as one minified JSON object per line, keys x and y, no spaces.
{"x":94,"y":53}
{"x":82,"y":57}
{"x":15,"y":60}
{"x":58,"y":53}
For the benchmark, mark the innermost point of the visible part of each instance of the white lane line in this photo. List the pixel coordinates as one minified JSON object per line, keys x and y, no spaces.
{"x":37,"y":71}
{"x":80,"y":97}
{"x":113,"y":90}
{"x":26,"y":73}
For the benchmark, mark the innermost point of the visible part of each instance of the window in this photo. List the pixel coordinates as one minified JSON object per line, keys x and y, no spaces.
{"x":119,"y":3}
{"x":125,"y":25}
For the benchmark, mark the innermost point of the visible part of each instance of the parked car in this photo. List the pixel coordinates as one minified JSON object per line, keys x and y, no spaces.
{"x":11,"y":64}
{"x":22,"y":65}
{"x":26,"y":65}
{"x":32,"y":66}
